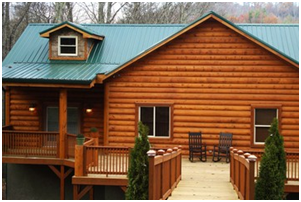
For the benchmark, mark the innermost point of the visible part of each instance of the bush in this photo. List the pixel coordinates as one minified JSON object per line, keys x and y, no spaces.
{"x":138,"y":170}
{"x":270,"y":184}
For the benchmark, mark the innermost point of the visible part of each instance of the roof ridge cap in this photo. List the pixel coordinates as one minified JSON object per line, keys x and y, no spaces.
{"x":136,"y":25}
{"x":268,"y":24}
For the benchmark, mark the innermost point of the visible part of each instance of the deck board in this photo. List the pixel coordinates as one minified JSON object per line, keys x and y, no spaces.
{"x":204,"y":181}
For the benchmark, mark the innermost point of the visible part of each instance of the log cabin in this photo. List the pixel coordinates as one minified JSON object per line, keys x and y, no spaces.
{"x":209,"y":76}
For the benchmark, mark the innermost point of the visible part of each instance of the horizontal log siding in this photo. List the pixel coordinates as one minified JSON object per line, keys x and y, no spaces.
{"x":23,"y":120}
{"x":212,"y":75}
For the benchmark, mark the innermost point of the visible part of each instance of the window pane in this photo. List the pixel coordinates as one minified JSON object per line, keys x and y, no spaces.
{"x":72,"y":125}
{"x":68,"y":41}
{"x":261,"y":134}
{"x":68,"y":50}
{"x":72,"y":119}
{"x":52,"y":119}
{"x":162,"y":121}
{"x":147,"y":118}
{"x":265,"y":116}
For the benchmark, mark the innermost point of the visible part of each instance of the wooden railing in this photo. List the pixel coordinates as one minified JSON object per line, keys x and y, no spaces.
{"x":244,"y":169}
{"x":164,"y":172}
{"x":242,"y":173}
{"x":70,"y":146}
{"x":107,"y":160}
{"x":20,"y":143}
{"x":292,"y":164}
{"x":8,"y":127}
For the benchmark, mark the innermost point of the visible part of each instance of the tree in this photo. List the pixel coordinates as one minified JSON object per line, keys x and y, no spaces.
{"x":102,"y":12}
{"x":138,"y":170}
{"x":270,"y":184}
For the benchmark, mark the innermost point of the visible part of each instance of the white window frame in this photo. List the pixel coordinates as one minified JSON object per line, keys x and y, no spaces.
{"x":68,"y":54}
{"x":261,"y":126}
{"x":154,"y":120}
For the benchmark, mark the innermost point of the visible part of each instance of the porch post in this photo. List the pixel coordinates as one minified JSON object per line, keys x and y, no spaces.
{"x":7,"y":106}
{"x":62,"y":121}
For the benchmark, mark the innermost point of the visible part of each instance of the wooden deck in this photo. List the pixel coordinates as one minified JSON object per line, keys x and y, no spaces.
{"x":204,"y":181}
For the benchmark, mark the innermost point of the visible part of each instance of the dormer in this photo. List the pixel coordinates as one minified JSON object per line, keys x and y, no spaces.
{"x":69,"y":41}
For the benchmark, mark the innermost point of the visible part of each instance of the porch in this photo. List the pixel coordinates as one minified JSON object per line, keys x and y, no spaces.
{"x":107,"y":165}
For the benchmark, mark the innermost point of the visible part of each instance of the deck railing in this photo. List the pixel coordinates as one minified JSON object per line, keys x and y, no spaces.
{"x":244,"y":169}
{"x":21,"y":143}
{"x":106,"y":160}
{"x":242,"y":173}
{"x":292,"y":164}
{"x":164,"y":172}
{"x":70,"y":146}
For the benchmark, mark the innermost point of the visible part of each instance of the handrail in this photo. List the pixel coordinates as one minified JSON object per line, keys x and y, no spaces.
{"x":37,"y":143}
{"x":164,"y":172}
{"x":106,"y":160}
{"x":31,"y":132}
{"x":244,"y":169}
{"x":89,"y":141}
{"x":242,"y":173}
{"x":7,"y":127}
{"x":70,"y":146}
{"x":292,"y":163}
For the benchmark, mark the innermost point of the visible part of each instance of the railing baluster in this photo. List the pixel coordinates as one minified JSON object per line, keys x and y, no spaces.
{"x":29,"y":143}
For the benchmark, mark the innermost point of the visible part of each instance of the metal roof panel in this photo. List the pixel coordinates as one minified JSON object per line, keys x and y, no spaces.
{"x":122,"y":43}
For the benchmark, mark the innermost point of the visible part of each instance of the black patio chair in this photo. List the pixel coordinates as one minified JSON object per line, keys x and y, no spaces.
{"x":223,"y":147}
{"x":196,"y":147}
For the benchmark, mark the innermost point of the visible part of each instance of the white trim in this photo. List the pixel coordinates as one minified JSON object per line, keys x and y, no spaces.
{"x":67,"y":54}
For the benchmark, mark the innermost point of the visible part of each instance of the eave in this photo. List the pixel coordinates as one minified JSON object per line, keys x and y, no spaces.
{"x":47,"y":84}
{"x":85,"y":34}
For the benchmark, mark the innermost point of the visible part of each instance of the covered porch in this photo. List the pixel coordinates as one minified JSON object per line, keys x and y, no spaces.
{"x":54,"y":112}
{"x":42,"y":121}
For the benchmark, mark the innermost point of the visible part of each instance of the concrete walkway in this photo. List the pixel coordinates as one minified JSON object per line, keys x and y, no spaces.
{"x":204,"y":181}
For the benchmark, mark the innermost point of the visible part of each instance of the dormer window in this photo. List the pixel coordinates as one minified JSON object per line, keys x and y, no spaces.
{"x":67,"y":46}
{"x":69,"y":41}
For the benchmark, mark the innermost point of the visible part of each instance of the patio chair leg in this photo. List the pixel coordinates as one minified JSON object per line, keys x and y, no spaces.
{"x":227,"y":157}
{"x":218,"y":156}
{"x":191,"y":156}
{"x":202,"y":159}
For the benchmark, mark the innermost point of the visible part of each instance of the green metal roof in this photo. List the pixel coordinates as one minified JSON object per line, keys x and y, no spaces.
{"x":284,"y":38}
{"x":28,"y":61}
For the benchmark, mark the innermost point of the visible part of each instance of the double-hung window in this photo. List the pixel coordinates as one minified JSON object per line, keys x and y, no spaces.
{"x":157,"y":118}
{"x":67,"y":46}
{"x":52,"y":119}
{"x":263,"y":118}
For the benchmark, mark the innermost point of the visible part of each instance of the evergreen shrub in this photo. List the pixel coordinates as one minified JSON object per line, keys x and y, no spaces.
{"x":138,"y":170}
{"x":272,"y":172}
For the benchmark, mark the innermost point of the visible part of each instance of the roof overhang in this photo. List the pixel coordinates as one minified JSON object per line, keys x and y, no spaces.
{"x":210,"y":15}
{"x":49,"y":84}
{"x":86,"y":34}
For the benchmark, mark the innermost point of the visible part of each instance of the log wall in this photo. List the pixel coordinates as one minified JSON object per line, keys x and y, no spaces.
{"x":24,"y":120}
{"x":212,"y":75}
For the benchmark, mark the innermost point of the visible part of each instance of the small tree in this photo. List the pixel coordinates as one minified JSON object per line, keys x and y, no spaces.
{"x":270,"y":184}
{"x":138,"y":170}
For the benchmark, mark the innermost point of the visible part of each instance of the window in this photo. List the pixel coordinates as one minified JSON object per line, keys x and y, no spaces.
{"x":263,"y":117}
{"x":52,"y":120}
{"x":157,"y":118}
{"x":67,"y":46}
